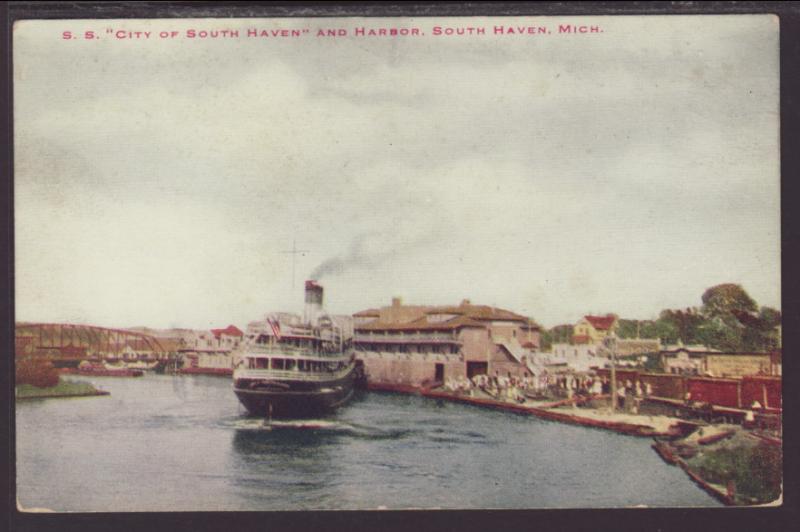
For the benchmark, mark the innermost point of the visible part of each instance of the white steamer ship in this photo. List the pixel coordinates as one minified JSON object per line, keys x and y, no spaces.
{"x":297,"y":367}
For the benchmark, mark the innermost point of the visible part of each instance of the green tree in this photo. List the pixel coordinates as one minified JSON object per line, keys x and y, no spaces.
{"x":546,"y":340}
{"x":685,"y":324}
{"x":759,"y":331}
{"x":719,"y":334}
{"x":663,"y":329}
{"x":627,"y":328}
{"x":561,"y":334}
{"x":771,"y":320}
{"x":722,"y":300}
{"x":770,"y":317}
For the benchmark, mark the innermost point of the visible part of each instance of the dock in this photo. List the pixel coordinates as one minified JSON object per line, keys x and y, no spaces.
{"x":560,"y":411}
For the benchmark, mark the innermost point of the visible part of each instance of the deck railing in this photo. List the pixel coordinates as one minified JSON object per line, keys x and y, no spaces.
{"x":292,"y":352}
{"x":295,"y":375}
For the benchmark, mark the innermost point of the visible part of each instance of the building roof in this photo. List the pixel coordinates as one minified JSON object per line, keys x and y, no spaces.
{"x":531,"y":324}
{"x":420,"y":324}
{"x":478,"y":312}
{"x":399,"y":317}
{"x":601,"y":323}
{"x":230,"y":330}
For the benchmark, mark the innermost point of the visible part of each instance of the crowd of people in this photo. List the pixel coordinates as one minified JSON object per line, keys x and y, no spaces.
{"x":499,"y":386}
{"x":567,"y":386}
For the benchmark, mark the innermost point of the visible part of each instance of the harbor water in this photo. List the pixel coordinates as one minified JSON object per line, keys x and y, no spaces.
{"x":176,"y":443}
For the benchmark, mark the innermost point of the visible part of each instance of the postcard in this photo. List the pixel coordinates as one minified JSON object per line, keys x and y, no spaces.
{"x":366,"y":263}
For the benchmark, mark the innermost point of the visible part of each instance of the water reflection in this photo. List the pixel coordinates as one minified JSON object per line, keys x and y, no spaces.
{"x":279,"y":442}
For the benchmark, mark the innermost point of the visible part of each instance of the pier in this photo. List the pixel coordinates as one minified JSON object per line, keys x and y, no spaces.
{"x":561,"y":411}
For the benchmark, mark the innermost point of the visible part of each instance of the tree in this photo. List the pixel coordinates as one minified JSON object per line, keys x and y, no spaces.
{"x":770,"y":318}
{"x":685,"y":324}
{"x":722,"y":300}
{"x":663,"y":329}
{"x":35,"y":370}
{"x":760,"y":331}
{"x":561,"y":334}
{"x":721,"y":335}
{"x":546,"y":340}
{"x":627,"y":328}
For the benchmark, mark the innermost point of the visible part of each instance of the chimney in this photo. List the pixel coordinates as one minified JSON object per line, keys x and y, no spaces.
{"x":313,"y":307}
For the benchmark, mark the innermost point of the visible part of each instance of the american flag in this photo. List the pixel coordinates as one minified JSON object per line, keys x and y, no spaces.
{"x":275,"y":326}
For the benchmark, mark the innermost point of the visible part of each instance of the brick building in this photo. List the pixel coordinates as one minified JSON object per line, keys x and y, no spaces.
{"x":411,"y":344}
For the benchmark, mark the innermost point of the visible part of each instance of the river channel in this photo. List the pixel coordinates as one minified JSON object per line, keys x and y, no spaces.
{"x":175,"y":443}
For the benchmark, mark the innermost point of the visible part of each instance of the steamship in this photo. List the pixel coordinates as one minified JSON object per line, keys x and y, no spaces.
{"x":296,"y":367}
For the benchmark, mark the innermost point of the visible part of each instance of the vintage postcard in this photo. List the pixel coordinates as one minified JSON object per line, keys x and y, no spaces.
{"x":367,"y":263}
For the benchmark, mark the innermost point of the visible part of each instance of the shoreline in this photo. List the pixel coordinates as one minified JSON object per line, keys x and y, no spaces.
{"x":96,"y":393}
{"x":718,"y":492}
{"x":63,"y":390}
{"x":691,"y":455}
{"x":552,"y":411}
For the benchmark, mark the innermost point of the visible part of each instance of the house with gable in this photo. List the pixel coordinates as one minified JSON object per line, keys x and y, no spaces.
{"x":593,"y":329}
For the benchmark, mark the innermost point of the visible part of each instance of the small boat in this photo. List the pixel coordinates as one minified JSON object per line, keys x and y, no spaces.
{"x":95,"y":369}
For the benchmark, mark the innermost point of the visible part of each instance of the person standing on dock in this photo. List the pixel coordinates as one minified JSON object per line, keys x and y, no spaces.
{"x":621,"y":396}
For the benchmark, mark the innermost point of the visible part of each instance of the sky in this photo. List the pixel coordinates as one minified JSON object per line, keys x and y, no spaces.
{"x":162,"y":181}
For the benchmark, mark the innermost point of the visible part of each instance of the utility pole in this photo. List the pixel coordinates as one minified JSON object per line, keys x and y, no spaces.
{"x":611,"y":345}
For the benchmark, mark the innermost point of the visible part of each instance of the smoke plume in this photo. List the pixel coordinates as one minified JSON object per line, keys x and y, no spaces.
{"x":367,"y":250}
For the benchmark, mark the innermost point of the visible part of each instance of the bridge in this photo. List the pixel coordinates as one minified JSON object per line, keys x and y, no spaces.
{"x":71,"y":342}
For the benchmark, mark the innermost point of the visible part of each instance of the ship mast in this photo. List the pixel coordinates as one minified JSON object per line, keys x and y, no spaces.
{"x":293,"y":252}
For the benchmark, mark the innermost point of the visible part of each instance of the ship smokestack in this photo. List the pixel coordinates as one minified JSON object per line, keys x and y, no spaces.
{"x":313,"y":301}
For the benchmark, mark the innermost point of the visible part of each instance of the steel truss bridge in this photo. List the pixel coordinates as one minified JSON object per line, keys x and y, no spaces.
{"x":67,"y":340}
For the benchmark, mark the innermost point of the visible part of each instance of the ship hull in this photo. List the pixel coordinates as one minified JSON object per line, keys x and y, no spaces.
{"x":283,"y":398}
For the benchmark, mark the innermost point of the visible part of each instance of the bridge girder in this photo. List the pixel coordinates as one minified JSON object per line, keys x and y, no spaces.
{"x":104,"y":339}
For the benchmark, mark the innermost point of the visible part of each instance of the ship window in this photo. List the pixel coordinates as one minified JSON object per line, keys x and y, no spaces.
{"x":277,"y":363}
{"x":260,"y":363}
{"x":290,"y":364}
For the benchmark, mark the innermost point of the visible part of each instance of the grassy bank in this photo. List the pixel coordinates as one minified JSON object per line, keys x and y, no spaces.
{"x":754,"y":471}
{"x":62,"y":389}
{"x":730,"y":462}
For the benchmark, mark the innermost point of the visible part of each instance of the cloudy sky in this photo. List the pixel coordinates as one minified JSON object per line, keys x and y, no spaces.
{"x":160,"y":181}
